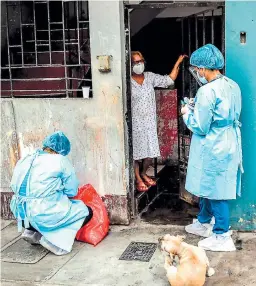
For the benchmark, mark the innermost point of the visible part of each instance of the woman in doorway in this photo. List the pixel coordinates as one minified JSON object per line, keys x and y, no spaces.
{"x":215,"y":158}
{"x":144,"y":119}
{"x":43,"y":184}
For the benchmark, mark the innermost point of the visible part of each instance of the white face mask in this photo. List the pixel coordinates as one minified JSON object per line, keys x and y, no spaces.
{"x":138,"y":68}
{"x":202,"y":78}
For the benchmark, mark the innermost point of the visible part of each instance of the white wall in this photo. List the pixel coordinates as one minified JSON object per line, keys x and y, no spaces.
{"x":94,"y":126}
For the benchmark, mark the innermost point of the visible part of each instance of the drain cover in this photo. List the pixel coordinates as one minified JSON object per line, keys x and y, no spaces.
{"x":141,"y":251}
{"x":23,"y":252}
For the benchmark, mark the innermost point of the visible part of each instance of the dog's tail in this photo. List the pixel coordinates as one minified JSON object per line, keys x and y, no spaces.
{"x":210,"y":271}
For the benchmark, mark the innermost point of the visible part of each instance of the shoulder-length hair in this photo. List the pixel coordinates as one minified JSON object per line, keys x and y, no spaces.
{"x":134,"y":53}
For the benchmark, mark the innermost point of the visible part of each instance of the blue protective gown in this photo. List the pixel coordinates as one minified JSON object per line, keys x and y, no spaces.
{"x":215,"y":158}
{"x":51,"y":180}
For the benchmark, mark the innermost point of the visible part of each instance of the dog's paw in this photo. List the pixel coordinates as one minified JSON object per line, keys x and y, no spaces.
{"x":210,"y":272}
{"x":168,"y":259}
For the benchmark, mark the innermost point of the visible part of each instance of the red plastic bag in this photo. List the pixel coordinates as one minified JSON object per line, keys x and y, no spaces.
{"x":97,"y":228}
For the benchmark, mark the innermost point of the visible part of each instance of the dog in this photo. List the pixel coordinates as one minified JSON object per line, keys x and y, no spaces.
{"x":193,"y":265}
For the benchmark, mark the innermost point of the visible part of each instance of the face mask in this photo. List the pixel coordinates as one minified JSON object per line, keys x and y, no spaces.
{"x":202,"y":79}
{"x":138,"y":68}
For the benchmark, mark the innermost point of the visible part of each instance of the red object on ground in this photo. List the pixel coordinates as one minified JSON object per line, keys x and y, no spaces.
{"x":97,"y":228}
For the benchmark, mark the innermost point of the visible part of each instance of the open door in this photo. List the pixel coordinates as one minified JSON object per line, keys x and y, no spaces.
{"x":128,"y":111}
{"x":196,"y":30}
{"x":191,"y":25}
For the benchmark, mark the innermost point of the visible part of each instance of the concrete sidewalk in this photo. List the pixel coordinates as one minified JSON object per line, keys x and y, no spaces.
{"x":100,"y":265}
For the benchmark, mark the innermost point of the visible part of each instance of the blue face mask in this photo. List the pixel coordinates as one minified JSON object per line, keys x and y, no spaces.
{"x":202,"y":78}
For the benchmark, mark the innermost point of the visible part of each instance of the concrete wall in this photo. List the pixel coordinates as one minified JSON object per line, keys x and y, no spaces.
{"x":240,"y":61}
{"x":94,"y":126}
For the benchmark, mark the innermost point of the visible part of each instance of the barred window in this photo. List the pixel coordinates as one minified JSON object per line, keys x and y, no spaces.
{"x":45,"y":49}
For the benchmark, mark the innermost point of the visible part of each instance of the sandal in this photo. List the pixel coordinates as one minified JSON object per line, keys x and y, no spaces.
{"x":141,"y":186}
{"x":148,"y":181}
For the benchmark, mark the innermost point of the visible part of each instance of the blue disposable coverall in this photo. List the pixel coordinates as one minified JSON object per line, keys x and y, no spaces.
{"x":51,"y":180}
{"x":215,"y":158}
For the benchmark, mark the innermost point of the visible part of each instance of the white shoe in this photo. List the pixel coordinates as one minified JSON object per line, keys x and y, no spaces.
{"x":197,"y":228}
{"x":218,"y":242}
{"x":31,"y":237}
{"x":212,"y":223}
{"x":52,"y":248}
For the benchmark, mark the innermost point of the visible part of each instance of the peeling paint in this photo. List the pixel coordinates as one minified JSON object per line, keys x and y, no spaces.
{"x":167,"y":124}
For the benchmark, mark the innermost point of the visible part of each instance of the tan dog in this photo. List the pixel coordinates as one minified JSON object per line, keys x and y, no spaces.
{"x":193,"y":262}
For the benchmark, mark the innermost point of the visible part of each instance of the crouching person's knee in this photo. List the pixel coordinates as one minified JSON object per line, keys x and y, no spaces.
{"x":52,"y":248}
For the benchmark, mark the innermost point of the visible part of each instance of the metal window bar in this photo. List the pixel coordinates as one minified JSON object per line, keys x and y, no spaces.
{"x":64,"y":46}
{"x":78,"y":31}
{"x":223,"y":34}
{"x":21,"y":37}
{"x":204,"y":32}
{"x":183,"y":87}
{"x":43,"y":51}
{"x":8,"y":51}
{"x":34,"y":18}
{"x":49,"y":31}
{"x":196,"y":32}
{"x":212,"y":27}
{"x":189,"y":53}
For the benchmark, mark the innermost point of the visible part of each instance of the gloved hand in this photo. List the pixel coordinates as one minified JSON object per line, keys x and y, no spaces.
{"x":191,"y":101}
{"x":184,"y":109}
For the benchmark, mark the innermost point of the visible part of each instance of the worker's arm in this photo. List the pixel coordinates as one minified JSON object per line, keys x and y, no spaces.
{"x":69,"y":179}
{"x":199,"y":120}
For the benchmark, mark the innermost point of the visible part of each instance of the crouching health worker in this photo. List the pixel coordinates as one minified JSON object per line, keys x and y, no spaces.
{"x":43,"y":184}
{"x":215,"y":158}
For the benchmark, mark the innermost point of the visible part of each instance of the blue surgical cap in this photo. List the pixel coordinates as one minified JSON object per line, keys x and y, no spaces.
{"x":208,"y":57}
{"x":58,"y":142}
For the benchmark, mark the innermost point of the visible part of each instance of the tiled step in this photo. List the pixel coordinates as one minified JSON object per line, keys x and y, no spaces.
{"x":143,"y":198}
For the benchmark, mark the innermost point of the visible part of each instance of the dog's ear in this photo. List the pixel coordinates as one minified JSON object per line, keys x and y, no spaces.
{"x":160,"y":239}
{"x":181,"y":237}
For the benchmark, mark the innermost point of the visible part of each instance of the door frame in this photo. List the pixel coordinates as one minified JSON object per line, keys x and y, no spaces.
{"x":127,"y":9}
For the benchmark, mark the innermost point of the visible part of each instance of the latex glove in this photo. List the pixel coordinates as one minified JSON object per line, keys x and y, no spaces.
{"x":184,"y":109}
{"x":191,"y":101}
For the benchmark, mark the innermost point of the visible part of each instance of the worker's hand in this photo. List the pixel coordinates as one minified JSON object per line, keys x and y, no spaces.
{"x":184,"y":109}
{"x":191,"y":101}
{"x":180,"y":59}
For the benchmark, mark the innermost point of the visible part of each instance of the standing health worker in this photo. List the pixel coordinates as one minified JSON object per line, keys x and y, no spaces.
{"x":215,"y":159}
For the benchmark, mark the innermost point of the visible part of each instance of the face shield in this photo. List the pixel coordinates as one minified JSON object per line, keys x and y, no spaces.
{"x":194,"y":73}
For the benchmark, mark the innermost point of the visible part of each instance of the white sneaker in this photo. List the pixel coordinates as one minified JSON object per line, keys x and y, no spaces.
{"x":31,"y":237}
{"x":218,"y":242}
{"x":54,"y":249}
{"x":212,"y":223}
{"x":197,"y":228}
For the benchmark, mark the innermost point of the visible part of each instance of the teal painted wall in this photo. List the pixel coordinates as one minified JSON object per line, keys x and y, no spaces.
{"x":241,"y":67}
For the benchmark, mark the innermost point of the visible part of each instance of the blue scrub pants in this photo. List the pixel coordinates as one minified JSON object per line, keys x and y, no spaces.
{"x":219,"y":209}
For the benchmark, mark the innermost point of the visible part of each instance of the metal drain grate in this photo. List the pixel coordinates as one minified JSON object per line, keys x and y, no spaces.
{"x":141,"y":251}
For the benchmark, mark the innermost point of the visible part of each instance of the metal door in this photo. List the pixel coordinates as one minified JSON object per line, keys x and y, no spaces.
{"x":208,"y":20}
{"x":196,"y":30}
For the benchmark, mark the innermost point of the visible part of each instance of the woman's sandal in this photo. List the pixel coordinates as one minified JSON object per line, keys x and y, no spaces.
{"x":149,"y":182}
{"x":141,"y":186}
